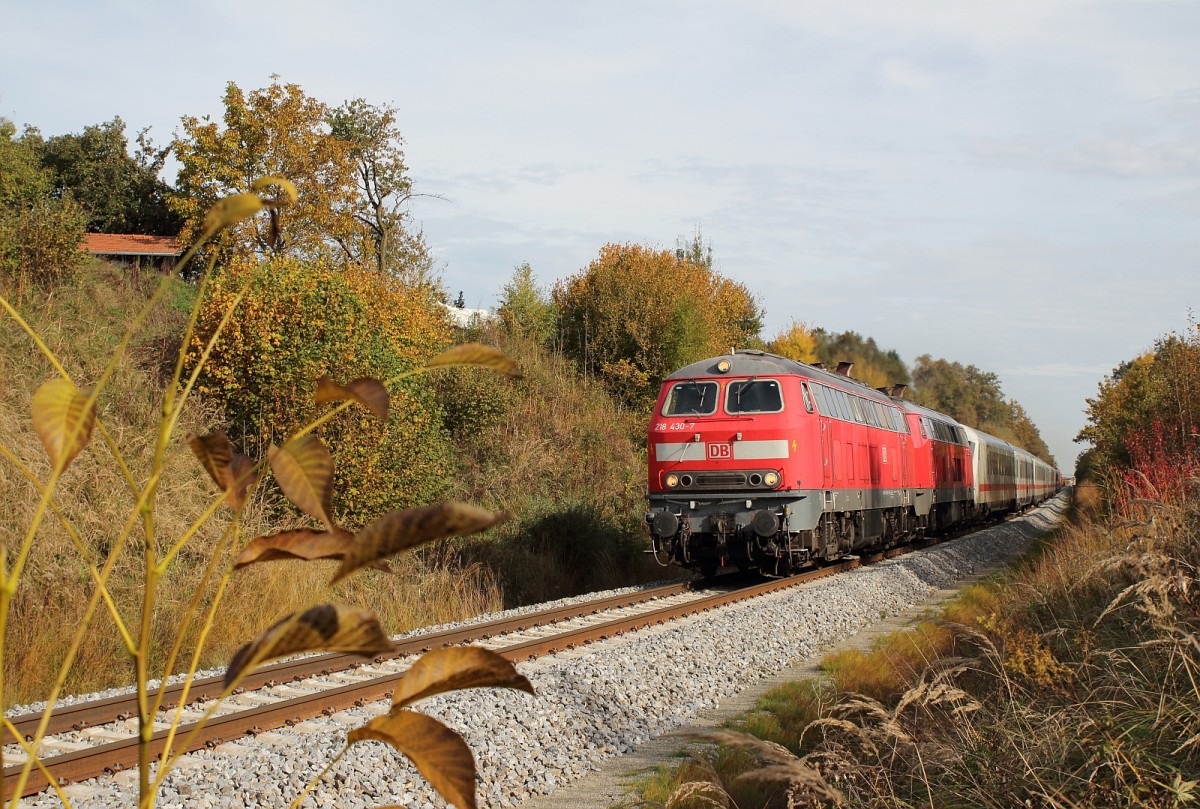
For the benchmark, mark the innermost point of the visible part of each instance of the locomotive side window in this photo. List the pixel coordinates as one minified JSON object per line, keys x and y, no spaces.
{"x":753,"y":396}
{"x":843,"y":405}
{"x":808,"y":405}
{"x":691,"y":399}
{"x":824,"y":402}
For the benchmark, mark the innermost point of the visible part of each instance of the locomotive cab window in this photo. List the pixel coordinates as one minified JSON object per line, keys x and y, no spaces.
{"x":808,"y":404}
{"x":753,"y":396}
{"x":691,"y":399}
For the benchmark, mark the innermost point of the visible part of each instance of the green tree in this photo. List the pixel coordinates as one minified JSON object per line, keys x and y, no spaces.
{"x":385,"y":233}
{"x":635,"y":314}
{"x":975,"y":398}
{"x":122,"y":193}
{"x":525,"y":307}
{"x":275,"y":131}
{"x":39,"y":234}
{"x":22,"y":178}
{"x":872,"y":365}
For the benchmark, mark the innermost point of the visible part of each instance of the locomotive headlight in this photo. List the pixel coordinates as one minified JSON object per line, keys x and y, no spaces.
{"x":771,"y":479}
{"x":672,"y":481}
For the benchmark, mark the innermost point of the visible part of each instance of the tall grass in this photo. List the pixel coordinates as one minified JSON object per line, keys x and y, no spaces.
{"x":555,"y":450}
{"x":83,"y":323}
{"x":1072,"y":681}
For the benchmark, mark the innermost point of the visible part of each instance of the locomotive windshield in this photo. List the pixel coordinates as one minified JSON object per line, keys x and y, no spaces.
{"x":691,"y":398}
{"x":754,"y":396}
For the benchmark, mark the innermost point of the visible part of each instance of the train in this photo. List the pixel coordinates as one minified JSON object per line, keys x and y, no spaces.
{"x":757,"y":461}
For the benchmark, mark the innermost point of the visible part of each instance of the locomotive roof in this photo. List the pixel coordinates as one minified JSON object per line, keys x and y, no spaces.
{"x":752,"y":362}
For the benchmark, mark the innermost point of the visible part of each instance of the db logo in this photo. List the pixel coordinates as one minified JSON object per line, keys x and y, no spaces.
{"x":720,"y":452}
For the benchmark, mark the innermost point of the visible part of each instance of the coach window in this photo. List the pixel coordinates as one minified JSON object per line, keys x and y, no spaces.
{"x":808,"y":405}
{"x":691,"y":398}
{"x":753,"y":396}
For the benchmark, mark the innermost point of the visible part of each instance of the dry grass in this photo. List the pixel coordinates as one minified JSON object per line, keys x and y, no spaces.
{"x":83,"y":324}
{"x":1077,"y":685}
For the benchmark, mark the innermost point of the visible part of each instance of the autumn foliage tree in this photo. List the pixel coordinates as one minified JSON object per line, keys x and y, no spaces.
{"x":872,"y":365}
{"x":796,"y":342}
{"x":1146,"y":413}
{"x":274,"y":131}
{"x":637,"y":313}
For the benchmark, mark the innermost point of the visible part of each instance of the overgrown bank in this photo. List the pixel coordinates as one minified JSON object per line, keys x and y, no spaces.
{"x":1070,"y":681}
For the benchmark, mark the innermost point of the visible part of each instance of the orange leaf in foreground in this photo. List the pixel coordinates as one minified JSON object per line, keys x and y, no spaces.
{"x":323,"y":628}
{"x":478,"y":356}
{"x":368,"y":392}
{"x":440,"y":754}
{"x":231,"y":471}
{"x":303,"y":543}
{"x":303,"y":468}
{"x":400,"y":530}
{"x":457,"y":667}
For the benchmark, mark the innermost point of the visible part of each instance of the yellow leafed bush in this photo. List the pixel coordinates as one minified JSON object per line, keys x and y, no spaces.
{"x":301,"y":320}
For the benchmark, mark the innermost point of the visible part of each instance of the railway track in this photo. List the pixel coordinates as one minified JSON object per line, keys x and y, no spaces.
{"x":94,"y":738}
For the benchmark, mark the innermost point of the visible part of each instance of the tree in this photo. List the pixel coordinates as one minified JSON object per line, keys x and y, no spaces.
{"x":22,"y":178}
{"x":525,"y":308}
{"x":872,"y":365}
{"x":121,"y":193}
{"x":635,"y":314}
{"x":39,"y":234}
{"x":384,"y":188}
{"x":975,"y":398}
{"x":276,"y":131}
{"x":796,"y":342}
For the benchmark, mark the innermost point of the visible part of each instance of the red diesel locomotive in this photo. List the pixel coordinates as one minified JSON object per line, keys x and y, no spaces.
{"x":760,"y":461}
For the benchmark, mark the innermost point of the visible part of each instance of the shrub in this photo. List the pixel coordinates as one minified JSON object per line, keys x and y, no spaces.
{"x":301,"y":320}
{"x":39,"y":243}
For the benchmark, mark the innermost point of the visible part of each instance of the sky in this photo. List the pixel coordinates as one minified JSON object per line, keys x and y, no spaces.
{"x":1013,"y":185}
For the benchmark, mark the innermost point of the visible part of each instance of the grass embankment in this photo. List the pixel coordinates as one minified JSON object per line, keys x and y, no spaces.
{"x":558,"y":453}
{"x":1070,"y":681}
{"x":84,"y":323}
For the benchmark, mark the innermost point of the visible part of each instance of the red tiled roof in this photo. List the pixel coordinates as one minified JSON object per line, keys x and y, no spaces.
{"x":129,"y":244}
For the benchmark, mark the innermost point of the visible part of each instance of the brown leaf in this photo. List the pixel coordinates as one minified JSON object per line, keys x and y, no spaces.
{"x":440,"y":754}
{"x":304,"y":470}
{"x":323,"y":628}
{"x":400,"y":530}
{"x":231,"y":471}
{"x":453,"y":668}
{"x":477,"y":355}
{"x":366,"y":391}
{"x":62,"y":420}
{"x":304,"y":543}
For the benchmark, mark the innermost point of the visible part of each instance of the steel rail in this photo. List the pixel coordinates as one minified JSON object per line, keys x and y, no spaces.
{"x":120,"y":755}
{"x":93,"y":713}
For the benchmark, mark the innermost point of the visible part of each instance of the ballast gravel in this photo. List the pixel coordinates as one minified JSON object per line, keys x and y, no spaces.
{"x":592,"y":703}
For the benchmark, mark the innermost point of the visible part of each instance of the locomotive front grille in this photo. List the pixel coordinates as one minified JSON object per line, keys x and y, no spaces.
{"x":720,"y":480}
